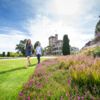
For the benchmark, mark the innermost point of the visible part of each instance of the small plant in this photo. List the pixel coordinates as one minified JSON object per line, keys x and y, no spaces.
{"x":96,"y":52}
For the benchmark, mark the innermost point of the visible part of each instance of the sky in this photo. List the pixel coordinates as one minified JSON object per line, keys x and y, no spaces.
{"x":39,"y":19}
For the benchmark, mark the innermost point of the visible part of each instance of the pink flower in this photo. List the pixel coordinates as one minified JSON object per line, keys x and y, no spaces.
{"x":82,"y":98}
{"x":31,"y":82}
{"x":66,"y":94}
{"x":28,"y":98}
{"x":69,"y":81}
{"x":39,"y":85}
{"x":78,"y":97}
{"x":39,"y":65}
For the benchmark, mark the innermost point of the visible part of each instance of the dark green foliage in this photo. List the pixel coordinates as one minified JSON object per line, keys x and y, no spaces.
{"x":0,"y":55}
{"x":3,"y":54}
{"x":21,"y":46}
{"x":8,"y":54}
{"x":96,"y":52}
{"x":66,"y":46}
{"x":97,"y":27}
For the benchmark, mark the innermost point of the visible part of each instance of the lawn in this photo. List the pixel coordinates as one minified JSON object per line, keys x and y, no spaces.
{"x":12,"y":77}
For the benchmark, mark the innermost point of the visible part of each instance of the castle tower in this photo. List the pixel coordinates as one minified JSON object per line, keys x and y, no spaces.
{"x":56,"y":37}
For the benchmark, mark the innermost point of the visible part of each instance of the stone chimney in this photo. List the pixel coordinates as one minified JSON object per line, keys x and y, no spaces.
{"x":56,"y":36}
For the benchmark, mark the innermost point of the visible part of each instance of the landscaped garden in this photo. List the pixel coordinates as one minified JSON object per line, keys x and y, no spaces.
{"x":74,"y":77}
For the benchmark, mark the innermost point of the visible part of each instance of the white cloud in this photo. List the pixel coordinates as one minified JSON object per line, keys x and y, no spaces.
{"x":43,"y":27}
{"x":64,"y":7}
{"x":60,"y":17}
{"x":8,"y":41}
{"x":64,"y":17}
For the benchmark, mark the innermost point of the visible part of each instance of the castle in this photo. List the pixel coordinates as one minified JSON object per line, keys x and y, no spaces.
{"x":55,"y":46}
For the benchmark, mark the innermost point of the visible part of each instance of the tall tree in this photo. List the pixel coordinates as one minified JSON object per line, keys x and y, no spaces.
{"x":8,"y":54}
{"x":21,"y":46}
{"x":66,"y":46}
{"x":3,"y":54}
{"x":97,"y":27}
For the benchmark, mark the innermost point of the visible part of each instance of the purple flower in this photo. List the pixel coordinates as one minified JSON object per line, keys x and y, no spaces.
{"x":20,"y":94}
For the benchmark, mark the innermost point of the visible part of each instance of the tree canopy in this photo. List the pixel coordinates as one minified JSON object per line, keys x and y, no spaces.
{"x":66,"y":46}
{"x":21,"y":46}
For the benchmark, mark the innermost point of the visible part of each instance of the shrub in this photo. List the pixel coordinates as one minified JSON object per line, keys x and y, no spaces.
{"x":96,"y":52}
{"x":8,"y":54}
{"x":15,"y":54}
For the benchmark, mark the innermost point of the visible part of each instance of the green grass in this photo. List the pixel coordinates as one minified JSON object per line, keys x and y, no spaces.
{"x":12,"y":77}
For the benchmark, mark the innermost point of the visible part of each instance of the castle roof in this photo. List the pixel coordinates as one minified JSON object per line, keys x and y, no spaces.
{"x":51,"y":37}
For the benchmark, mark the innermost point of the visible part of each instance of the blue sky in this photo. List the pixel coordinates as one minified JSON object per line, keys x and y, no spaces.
{"x":39,"y":19}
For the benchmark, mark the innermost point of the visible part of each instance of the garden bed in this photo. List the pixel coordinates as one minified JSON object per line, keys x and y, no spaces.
{"x":64,"y":78}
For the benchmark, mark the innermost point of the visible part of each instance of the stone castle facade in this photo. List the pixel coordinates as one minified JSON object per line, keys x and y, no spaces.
{"x":55,"y":46}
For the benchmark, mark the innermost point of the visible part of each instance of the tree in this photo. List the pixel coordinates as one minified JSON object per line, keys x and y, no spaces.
{"x":8,"y":54}
{"x":3,"y":54}
{"x":36,"y":43}
{"x":97,"y":27}
{"x":66,"y":46}
{"x":21,"y":46}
